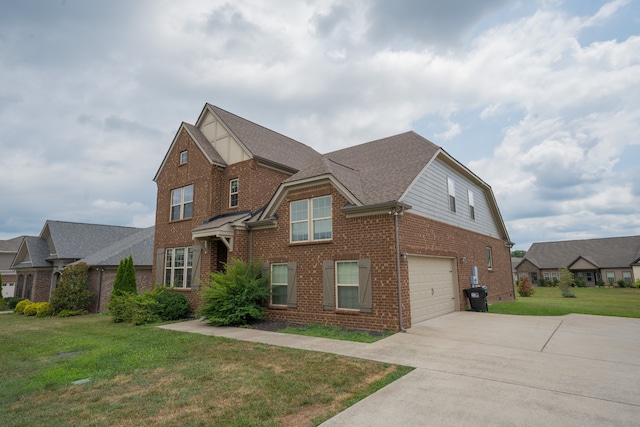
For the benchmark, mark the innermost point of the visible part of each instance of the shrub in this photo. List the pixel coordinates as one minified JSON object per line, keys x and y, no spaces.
{"x":125,"y":281}
{"x":623,"y":284}
{"x":20,"y":306}
{"x":30,"y":309}
{"x":149,"y":307}
{"x":525,"y":289}
{"x":69,"y":313}
{"x":72,"y":294}
{"x":235,"y":296}
{"x":43,"y":309}
{"x":13,"y":301}
{"x":580,"y":283}
{"x":600,"y":283}
{"x":565,"y":282}
{"x":174,"y":305}
{"x":542,"y":283}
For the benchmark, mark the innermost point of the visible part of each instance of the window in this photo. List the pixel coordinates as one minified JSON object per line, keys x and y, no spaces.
{"x":178,"y":267}
{"x":626,"y":276}
{"x":279,"y":284}
{"x":233,"y":193}
{"x":311,"y":219}
{"x":472,"y":206}
{"x":184,"y":155}
{"x":589,"y":276}
{"x":489,"y":259}
{"x":554,"y":276}
{"x":546,"y":276}
{"x":182,"y":203}
{"x":611,"y":276}
{"x":347,"y":281}
{"x":451,"y":187}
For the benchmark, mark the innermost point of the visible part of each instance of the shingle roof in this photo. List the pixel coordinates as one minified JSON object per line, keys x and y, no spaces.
{"x":614,"y":252}
{"x":74,"y":240}
{"x":139,"y":245}
{"x":11,"y":245}
{"x":266,"y":144}
{"x":378,"y":171}
{"x":38,"y":253}
{"x":204,"y":144}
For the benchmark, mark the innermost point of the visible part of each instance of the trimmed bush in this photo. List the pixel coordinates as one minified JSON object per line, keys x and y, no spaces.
{"x":580,"y":283}
{"x":20,"y":306}
{"x":13,"y":301}
{"x":525,"y":289}
{"x":30,"y":309}
{"x":70,"y":313}
{"x":43,"y":309}
{"x":71,"y":294}
{"x":235,"y":296}
{"x":161,"y":304}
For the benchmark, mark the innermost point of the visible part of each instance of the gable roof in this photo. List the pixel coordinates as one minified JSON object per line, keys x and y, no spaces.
{"x":139,"y":245}
{"x":68,"y":241}
{"x":11,"y":245}
{"x":612,"y":252}
{"x":375,"y":172}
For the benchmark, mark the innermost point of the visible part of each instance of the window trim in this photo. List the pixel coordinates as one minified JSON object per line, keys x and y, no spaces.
{"x":310,"y":220}
{"x":628,"y":278}
{"x":472,"y":205}
{"x":451,"y":191}
{"x":184,"y":157}
{"x":284,"y":285}
{"x":188,"y":267}
{"x":349,"y":285}
{"x":234,"y":192}
{"x":182,"y":204}
{"x":610,"y":280}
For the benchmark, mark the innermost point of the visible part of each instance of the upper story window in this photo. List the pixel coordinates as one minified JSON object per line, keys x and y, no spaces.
{"x":311,"y":219}
{"x":451,"y":187}
{"x":184,"y":156}
{"x":472,"y":206}
{"x":233,"y":193}
{"x":182,"y":203}
{"x":489,"y":259}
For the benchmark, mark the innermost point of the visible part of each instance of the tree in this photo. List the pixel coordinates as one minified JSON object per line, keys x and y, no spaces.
{"x":71,"y":295}
{"x":518,"y":253}
{"x":125,"y":282}
{"x":525,"y":289}
{"x":565,"y":282}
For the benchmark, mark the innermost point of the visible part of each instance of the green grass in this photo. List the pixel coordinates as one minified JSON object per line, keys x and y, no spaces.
{"x":146,"y":376}
{"x":622,"y":302}
{"x":336,"y":333}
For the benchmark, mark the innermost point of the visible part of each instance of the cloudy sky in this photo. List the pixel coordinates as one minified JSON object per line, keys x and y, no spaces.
{"x":541,"y":99}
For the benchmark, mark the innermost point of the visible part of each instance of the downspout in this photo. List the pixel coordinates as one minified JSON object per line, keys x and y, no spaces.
{"x":395,"y":222}
{"x":250,"y":245}
{"x":100,"y":290}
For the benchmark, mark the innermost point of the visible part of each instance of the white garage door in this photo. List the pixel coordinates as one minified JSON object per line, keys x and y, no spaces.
{"x":431,"y":284}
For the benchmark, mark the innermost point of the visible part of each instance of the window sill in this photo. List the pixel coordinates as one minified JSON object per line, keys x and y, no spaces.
{"x":347,"y":312}
{"x":312,"y":242}
{"x":278,"y":307}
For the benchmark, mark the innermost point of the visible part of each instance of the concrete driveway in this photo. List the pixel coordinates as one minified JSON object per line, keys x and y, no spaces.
{"x":491,"y":370}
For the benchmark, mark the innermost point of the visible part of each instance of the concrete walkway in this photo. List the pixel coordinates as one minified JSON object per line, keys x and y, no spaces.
{"x":490,"y":370}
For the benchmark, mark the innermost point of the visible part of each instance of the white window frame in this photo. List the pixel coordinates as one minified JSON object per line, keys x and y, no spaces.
{"x":339,"y":285}
{"x":234,"y":187}
{"x":170,"y":268}
{"x":554,"y":276}
{"x":472,"y":205}
{"x":184,"y":157}
{"x":611,"y":280}
{"x":310,"y":220}
{"x":284,"y":284}
{"x":489,"y":258}
{"x":178,"y":200}
{"x":626,"y":276}
{"x":451,"y":191}
{"x":546,"y":276}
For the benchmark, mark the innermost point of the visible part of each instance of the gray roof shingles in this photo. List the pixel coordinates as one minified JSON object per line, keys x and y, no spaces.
{"x":378,"y":171}
{"x":139,"y":245}
{"x":613,"y":252}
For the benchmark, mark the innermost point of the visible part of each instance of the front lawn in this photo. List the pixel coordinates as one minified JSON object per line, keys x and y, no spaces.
{"x":622,"y":302}
{"x":145,"y":376}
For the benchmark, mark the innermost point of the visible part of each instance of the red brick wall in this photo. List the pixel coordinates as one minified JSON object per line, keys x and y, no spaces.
{"x":102,"y":292}
{"x":419,"y":235}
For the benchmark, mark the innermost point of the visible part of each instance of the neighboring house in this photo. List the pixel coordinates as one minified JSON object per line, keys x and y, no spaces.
{"x":345,"y":236}
{"x":8,"y":250}
{"x":39,"y":261}
{"x":591,"y":260}
{"x":514,"y":262}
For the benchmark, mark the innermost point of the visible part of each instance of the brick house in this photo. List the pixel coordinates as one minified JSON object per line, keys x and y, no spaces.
{"x":377,"y":236}
{"x":607,"y":259}
{"x":39,"y":261}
